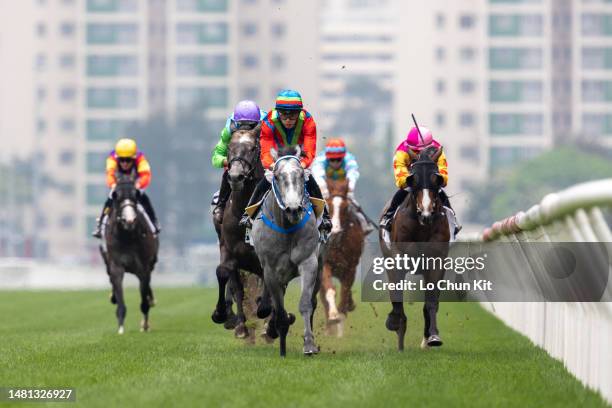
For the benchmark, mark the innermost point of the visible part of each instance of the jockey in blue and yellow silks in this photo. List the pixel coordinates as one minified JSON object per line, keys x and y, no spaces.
{"x":337,"y":163}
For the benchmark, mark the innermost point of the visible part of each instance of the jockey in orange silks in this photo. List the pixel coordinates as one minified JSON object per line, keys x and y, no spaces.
{"x":126,"y":158}
{"x":288,"y":124}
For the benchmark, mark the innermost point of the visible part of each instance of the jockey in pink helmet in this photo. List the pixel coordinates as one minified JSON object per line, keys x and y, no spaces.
{"x":416,"y":143}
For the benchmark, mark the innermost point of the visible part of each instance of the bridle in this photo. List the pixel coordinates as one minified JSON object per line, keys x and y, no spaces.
{"x":251,"y":166}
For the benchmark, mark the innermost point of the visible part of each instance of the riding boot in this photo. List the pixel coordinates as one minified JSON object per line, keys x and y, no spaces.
{"x":97,"y":233}
{"x":446,"y":203}
{"x":224,"y":194}
{"x":261,"y":188}
{"x":366,"y":225}
{"x":397,"y":199}
{"x":314,"y":191}
{"x":146,"y":203}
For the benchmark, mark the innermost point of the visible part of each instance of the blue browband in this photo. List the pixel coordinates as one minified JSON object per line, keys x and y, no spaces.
{"x":270,"y":222}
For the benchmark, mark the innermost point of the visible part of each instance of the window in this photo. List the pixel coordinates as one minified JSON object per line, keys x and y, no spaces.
{"x":216,"y":97}
{"x":502,"y":124}
{"x":597,"y":58}
{"x":112,"y":98}
{"x":467,"y":86}
{"x":106,"y":129}
{"x":507,"y":156}
{"x":467,"y":21}
{"x":96,"y":193}
{"x":202,"y":65}
{"x":278,"y":30}
{"x":596,"y":25}
{"x":250,"y":92}
{"x":515,"y":58}
{"x":110,"y":6}
{"x":515,"y":91}
{"x":440,"y":54}
{"x":202,"y":5}
{"x":515,"y":25}
{"x":66,"y":157}
{"x":41,"y":125}
{"x":467,"y":119}
{"x":469,"y":152}
{"x":278,"y":61}
{"x":112,"y":65}
{"x":249,"y":29}
{"x":112,"y":33}
{"x":67,"y":93}
{"x":67,"y":221}
{"x":440,"y":86}
{"x":596,"y":91}
{"x":67,"y":29}
{"x":41,"y":29}
{"x":467,"y":54}
{"x":440,"y":21}
{"x":67,"y":61}
{"x":41,"y":62}
{"x":597,"y":124}
{"x":440,"y":119}
{"x":41,"y":94}
{"x":250,"y":60}
{"x":67,"y":125}
{"x":202,"y":33}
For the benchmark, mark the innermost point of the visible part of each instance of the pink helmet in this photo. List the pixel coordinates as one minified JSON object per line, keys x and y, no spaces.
{"x":414,"y":141}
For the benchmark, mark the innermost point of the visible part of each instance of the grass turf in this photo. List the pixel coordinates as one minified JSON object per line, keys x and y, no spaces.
{"x":68,"y":339}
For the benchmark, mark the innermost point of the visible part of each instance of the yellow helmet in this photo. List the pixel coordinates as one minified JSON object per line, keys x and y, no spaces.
{"x":126,"y":149}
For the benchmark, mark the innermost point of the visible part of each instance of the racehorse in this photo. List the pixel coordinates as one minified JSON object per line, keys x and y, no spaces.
{"x":420,"y":224}
{"x":286,"y":240}
{"x":244,"y":172}
{"x":344,"y":250}
{"x":130,"y":245}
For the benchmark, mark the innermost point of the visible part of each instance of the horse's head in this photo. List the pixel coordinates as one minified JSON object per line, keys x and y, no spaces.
{"x":425,"y":181}
{"x":289,"y":180}
{"x":337,"y":202}
{"x":125,"y":198}
{"x":243,"y":156}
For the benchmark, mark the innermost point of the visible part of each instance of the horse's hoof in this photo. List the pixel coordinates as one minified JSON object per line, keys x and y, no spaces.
{"x":231,"y":322}
{"x":434,"y":341}
{"x":310,"y":350}
{"x":144,"y":326}
{"x":241,"y":332}
{"x":290,"y":318}
{"x":219,"y":317}
{"x":393,"y":322}
{"x":121,"y":330}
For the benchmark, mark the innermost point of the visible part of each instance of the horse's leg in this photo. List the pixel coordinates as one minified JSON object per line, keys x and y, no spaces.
{"x":116,"y":278}
{"x":240,"y":331}
{"x":346,"y":299}
{"x":431,"y":336}
{"x":231,"y":320}
{"x":281,"y":320}
{"x":308,"y":271}
{"x":396,"y":320}
{"x":328,"y":293}
{"x":145,"y":290}
{"x":224,"y":271}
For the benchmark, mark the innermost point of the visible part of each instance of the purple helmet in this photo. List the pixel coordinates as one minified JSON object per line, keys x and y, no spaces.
{"x":246,"y":111}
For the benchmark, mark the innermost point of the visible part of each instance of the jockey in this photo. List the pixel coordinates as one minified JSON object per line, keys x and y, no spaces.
{"x":337,"y":163}
{"x":401,"y":170}
{"x":246,"y":115}
{"x":127,"y":159}
{"x":289,"y":124}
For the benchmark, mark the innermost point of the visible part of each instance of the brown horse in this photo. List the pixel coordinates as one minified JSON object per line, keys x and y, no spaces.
{"x":344,"y":250}
{"x":420,"y":226}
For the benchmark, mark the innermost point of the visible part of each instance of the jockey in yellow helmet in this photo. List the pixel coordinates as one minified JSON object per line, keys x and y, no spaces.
{"x":126,"y":158}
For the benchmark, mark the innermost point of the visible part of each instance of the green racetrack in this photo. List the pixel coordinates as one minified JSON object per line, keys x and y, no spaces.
{"x":68,"y":339}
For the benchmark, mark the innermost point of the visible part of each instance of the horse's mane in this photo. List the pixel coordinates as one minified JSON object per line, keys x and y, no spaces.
{"x":287,"y":151}
{"x":427,"y":154}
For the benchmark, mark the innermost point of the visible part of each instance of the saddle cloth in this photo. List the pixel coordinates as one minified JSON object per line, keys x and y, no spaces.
{"x":317,"y":204}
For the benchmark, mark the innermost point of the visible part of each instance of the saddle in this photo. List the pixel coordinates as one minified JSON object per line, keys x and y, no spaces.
{"x":317,"y":204}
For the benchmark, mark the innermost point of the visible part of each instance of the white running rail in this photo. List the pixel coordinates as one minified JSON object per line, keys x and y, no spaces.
{"x":579,"y":334}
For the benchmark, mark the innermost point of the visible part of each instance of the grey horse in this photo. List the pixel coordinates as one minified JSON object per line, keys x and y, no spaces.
{"x":286,"y":241}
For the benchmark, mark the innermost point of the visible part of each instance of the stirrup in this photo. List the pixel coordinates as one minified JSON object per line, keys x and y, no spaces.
{"x":246,"y":222}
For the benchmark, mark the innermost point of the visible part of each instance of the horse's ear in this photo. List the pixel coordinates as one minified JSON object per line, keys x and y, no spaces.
{"x":413,"y":156}
{"x":437,"y":154}
{"x":411,"y":181}
{"x":274,"y":154}
{"x":437,"y":179}
{"x":257,"y":129}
